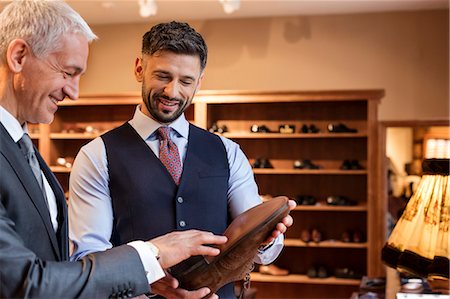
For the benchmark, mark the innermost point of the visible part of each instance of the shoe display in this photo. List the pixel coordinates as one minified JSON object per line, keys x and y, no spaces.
{"x":216,"y":129}
{"x":317,"y":272}
{"x":312,"y":272}
{"x":357,"y":237}
{"x":286,"y":129}
{"x":272,"y":270}
{"x":309,"y":129}
{"x":260,"y":129}
{"x":316,"y":235}
{"x":334,"y":200}
{"x":351,"y":165}
{"x":305,"y":164}
{"x":262,"y":163}
{"x":322,"y":272}
{"x":347,"y":273}
{"x":340,"y":128}
{"x":306,"y":200}
{"x":64,"y":162}
{"x":305,"y":236}
{"x":346,"y":237}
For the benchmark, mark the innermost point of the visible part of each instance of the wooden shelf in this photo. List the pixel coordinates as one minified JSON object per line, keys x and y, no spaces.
{"x":246,"y":135}
{"x":303,"y":279}
{"x":74,"y":135}
{"x":330,"y":208}
{"x":309,"y":171}
{"x":99,"y":100}
{"x":239,"y":110}
{"x":324,"y":244}
{"x":60,"y":169}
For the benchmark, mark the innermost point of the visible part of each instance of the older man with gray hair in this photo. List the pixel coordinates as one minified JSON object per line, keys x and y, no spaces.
{"x":43,"y":52}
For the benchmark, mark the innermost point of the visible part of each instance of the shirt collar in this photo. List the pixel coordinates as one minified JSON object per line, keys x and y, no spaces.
{"x":146,"y":126}
{"x":12,"y":125}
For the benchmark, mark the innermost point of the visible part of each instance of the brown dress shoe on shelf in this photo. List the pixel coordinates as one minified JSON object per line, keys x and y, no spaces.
{"x":272,"y":270}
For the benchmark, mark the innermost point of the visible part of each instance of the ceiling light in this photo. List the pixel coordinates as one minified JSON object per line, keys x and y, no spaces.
{"x":230,"y":6}
{"x":147,"y":8}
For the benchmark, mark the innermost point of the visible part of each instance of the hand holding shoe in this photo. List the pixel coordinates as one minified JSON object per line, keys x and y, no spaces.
{"x":177,"y":246}
{"x":168,"y":287}
{"x":282,"y":226}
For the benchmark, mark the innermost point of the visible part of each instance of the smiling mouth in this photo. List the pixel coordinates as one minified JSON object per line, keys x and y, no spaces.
{"x":167,"y":102}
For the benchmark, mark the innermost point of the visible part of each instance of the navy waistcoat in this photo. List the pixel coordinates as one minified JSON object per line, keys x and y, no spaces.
{"x":146,"y":201}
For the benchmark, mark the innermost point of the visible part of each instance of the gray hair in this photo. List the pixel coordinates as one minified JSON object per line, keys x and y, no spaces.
{"x":42,"y":24}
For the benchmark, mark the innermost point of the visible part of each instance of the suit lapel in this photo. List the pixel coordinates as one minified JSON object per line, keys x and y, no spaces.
{"x":13,"y":155}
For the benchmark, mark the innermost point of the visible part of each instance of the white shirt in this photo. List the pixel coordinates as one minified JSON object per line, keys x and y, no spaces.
{"x":16,"y":131}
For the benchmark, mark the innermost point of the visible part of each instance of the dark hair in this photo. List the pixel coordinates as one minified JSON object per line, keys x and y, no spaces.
{"x":175,"y":37}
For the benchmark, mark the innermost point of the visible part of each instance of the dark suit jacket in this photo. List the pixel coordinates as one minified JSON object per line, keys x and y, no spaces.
{"x":34,"y":259}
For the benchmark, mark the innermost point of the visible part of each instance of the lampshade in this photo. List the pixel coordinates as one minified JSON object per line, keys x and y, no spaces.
{"x":419,"y":242}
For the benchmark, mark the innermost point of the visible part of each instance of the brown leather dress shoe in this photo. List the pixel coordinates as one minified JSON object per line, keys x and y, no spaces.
{"x":245,"y":235}
{"x":272,"y":270}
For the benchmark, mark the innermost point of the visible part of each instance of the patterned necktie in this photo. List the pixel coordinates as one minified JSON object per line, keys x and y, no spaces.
{"x":169,"y":155}
{"x":26,"y":145}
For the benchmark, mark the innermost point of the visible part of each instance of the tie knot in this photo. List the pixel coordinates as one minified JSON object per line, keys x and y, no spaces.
{"x":26,"y":144}
{"x":163,"y":133}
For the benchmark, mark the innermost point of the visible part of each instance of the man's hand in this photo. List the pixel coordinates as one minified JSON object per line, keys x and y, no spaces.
{"x":282,"y":226}
{"x":168,"y":288}
{"x":177,"y":246}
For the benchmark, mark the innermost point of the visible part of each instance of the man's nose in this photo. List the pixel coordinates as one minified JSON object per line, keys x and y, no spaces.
{"x":172,"y":90}
{"x":72,"y":88}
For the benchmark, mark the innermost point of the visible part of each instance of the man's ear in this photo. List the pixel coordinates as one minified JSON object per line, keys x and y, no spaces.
{"x":138,"y":69}
{"x":197,"y":88}
{"x":16,"y":55}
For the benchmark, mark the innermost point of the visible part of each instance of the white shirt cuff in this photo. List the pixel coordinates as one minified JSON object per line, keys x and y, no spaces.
{"x":271,"y":253}
{"x":152,"y":268}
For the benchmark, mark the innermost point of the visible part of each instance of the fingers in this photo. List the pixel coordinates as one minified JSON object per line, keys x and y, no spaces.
{"x":197,"y":294}
{"x":166,"y":291}
{"x":292,"y":204}
{"x":177,"y":246}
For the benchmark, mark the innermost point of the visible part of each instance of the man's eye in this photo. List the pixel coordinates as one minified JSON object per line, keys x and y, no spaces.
{"x":67,"y":75}
{"x":162,"y":77}
{"x":186,"y":82}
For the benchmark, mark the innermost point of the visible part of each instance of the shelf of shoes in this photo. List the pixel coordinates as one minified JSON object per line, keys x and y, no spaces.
{"x":298,"y":278}
{"x":327,"y":167}
{"x":319,"y":207}
{"x":276,"y":135}
{"x":324,"y":244}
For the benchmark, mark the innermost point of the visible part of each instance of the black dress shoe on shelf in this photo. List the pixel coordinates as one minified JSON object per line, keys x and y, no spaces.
{"x":333,"y":200}
{"x":216,"y":129}
{"x":340,"y":128}
{"x":306,"y":200}
{"x":265,"y":163}
{"x":262,"y":163}
{"x":305,"y":164}
{"x":347,"y":273}
{"x":351,"y":165}
{"x":260,"y":129}
{"x":309,"y":129}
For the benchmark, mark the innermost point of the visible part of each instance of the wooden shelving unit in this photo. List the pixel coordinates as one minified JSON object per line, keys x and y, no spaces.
{"x":239,"y":110}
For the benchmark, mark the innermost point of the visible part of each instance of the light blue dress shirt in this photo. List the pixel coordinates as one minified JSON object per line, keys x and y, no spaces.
{"x":90,"y":208}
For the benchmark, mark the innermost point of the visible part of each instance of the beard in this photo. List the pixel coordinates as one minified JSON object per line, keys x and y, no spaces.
{"x":152,"y":101}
